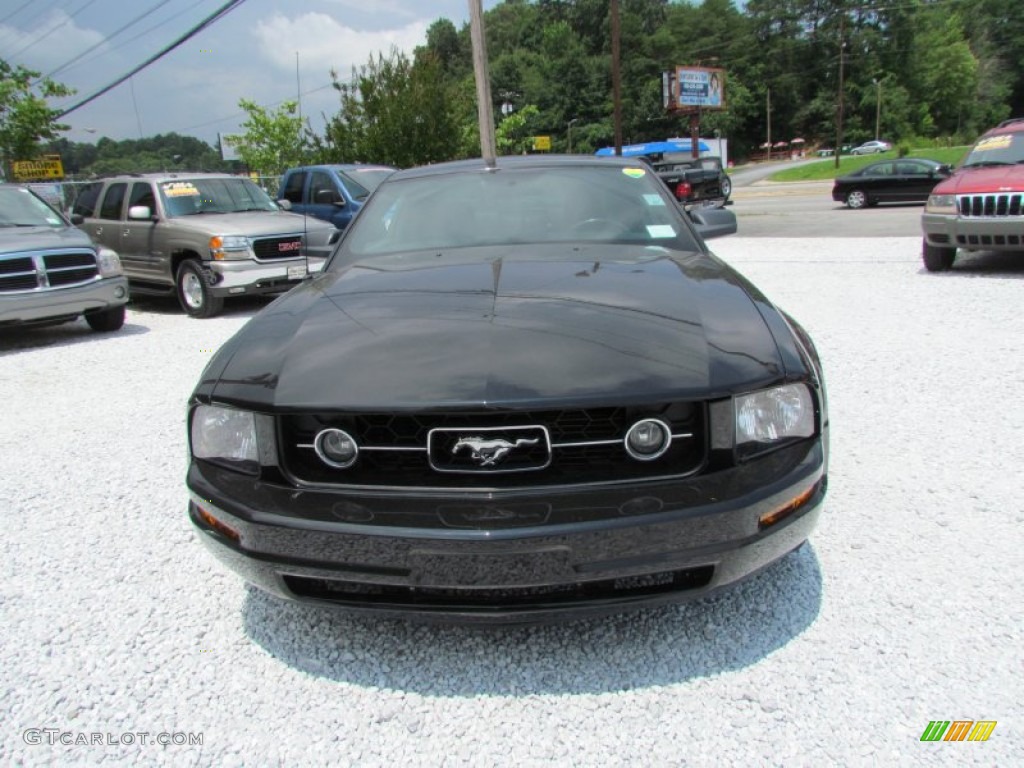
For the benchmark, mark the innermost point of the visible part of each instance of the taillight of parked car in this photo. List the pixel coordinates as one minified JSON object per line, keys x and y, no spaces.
{"x":683,"y":189}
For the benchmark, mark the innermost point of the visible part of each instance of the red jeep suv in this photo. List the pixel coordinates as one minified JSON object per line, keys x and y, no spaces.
{"x":981,"y":206}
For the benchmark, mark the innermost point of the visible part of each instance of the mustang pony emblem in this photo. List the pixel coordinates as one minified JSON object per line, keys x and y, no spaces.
{"x":489,"y":452}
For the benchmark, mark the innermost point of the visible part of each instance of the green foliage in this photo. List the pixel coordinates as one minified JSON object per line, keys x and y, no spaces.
{"x":825,"y":170}
{"x":395,"y":110}
{"x":513,"y":136}
{"x":25,"y":118}
{"x":272,"y":140}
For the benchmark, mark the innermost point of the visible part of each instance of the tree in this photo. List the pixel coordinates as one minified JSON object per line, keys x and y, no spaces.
{"x":395,"y":111}
{"x":273,"y":140}
{"x":25,"y":118}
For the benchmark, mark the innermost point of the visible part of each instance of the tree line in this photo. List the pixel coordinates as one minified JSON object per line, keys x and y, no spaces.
{"x":921,"y":70}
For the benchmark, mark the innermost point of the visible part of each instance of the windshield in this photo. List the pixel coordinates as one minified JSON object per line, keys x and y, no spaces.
{"x":1004,"y":149}
{"x":555,"y":204}
{"x":21,"y":208}
{"x":188,"y":197}
{"x":362,"y":181}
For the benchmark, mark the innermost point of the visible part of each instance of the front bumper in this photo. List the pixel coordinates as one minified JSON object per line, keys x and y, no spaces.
{"x":515,"y":557}
{"x":247,"y":278}
{"x":62,"y":303}
{"x":974,"y":233}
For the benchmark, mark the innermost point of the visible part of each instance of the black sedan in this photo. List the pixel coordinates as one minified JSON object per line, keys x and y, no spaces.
{"x":516,"y":391}
{"x":907,"y":180}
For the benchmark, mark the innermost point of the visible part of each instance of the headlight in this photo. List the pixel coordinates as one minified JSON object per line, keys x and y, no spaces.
{"x":225,"y":436}
{"x":941,"y":204}
{"x":229,"y":247}
{"x":772,"y":416}
{"x":108,"y":262}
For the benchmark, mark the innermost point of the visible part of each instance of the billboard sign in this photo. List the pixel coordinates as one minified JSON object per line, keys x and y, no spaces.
{"x":228,"y":150}
{"x":700,"y":87}
{"x":46,"y":167}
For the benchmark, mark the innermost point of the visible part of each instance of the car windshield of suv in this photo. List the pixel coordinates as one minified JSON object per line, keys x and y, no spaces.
{"x":21,"y":208}
{"x":189,"y":197}
{"x":361,"y":182}
{"x":513,"y":206}
{"x":1004,"y":149}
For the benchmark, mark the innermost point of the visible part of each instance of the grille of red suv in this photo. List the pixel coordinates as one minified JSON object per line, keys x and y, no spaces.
{"x":586,"y":447}
{"x":59,"y":269}
{"x":270,"y":248}
{"x":991,"y":205}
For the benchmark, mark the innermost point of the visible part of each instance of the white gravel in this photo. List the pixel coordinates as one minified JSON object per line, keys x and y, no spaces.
{"x":907,"y":607}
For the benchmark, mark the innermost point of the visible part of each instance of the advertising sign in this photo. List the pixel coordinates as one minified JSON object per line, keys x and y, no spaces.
{"x":542,"y":143}
{"x":46,"y":167}
{"x":700,"y":87}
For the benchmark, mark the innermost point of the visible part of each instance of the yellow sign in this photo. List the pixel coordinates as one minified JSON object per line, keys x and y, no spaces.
{"x":46,"y":167}
{"x":542,"y":143}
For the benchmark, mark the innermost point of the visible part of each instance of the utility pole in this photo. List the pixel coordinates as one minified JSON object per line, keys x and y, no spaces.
{"x":878,"y":107}
{"x":569,"y":150}
{"x":485,"y":112}
{"x":616,"y":76}
{"x":839,"y":107}
{"x":768,"y":109}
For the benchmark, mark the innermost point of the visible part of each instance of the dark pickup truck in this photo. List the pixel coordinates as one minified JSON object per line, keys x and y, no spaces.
{"x":695,"y":182}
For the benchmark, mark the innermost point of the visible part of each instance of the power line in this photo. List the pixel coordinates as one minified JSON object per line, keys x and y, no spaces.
{"x":51,"y":30}
{"x":208,"y":21}
{"x":114,"y":34}
{"x":16,"y":11}
{"x":71,"y":64}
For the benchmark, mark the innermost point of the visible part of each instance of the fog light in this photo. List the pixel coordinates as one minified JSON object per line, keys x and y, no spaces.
{"x":648,"y":439}
{"x":336,"y":448}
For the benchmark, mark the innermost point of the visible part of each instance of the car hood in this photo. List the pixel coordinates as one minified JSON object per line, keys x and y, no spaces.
{"x":971,"y":181}
{"x":252,"y":223}
{"x":503,"y":327}
{"x":15,"y":239}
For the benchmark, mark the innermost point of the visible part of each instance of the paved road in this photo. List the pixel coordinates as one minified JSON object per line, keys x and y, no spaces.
{"x":806,"y":209}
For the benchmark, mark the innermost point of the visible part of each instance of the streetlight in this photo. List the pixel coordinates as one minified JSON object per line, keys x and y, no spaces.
{"x":878,"y":106}
{"x":569,"y":142}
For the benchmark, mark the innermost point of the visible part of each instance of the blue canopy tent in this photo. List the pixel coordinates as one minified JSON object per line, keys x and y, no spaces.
{"x":653,"y":148}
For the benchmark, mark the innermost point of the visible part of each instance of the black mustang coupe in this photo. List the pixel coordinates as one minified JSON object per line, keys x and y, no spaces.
{"x":517,"y":390}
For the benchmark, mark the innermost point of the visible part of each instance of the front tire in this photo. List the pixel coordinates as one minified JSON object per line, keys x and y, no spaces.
{"x":106,"y":320}
{"x":856,"y":199}
{"x":194,"y":292}
{"x":937,"y":258}
{"x":726,"y":187}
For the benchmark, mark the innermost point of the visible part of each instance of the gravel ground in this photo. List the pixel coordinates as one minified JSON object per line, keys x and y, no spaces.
{"x":906,"y":607}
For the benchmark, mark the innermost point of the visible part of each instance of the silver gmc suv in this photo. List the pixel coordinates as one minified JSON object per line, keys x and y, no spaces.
{"x":51,"y":272}
{"x":202,"y":236}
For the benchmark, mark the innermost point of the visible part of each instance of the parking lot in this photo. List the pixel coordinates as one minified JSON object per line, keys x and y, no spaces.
{"x":905,"y":607}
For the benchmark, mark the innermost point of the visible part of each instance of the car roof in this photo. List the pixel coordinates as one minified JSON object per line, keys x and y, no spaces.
{"x":168,"y":176}
{"x":344,"y":167}
{"x":1013,"y":125}
{"x":518,"y":161}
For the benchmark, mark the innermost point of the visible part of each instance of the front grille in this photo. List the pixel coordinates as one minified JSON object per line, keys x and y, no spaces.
{"x":991,"y":205}
{"x":550,"y":595}
{"x":272,"y":248}
{"x":586,"y":447}
{"x":47,"y":269}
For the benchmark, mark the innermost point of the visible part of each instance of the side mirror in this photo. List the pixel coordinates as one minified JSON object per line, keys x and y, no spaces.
{"x":713,"y":222}
{"x":77,"y":219}
{"x":284,"y":205}
{"x":329,"y":197}
{"x":140,"y":213}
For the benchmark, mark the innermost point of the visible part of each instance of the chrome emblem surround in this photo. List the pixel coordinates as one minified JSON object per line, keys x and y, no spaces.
{"x":486,"y":451}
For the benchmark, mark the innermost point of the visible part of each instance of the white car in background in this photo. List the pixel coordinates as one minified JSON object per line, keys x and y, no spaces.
{"x":871,"y":147}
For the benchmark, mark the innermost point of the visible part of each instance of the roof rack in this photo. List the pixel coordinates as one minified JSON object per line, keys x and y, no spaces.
{"x":1011,"y":121}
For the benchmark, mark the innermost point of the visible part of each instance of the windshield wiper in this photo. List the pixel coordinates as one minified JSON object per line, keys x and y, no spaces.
{"x":986,"y":164}
{"x":249,"y":210}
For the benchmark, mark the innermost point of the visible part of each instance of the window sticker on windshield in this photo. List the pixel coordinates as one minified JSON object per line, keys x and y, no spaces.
{"x":660,"y":230}
{"x":634,"y":173}
{"x":53,"y":221}
{"x":654,"y":200}
{"x":179,"y":189}
{"x":993,"y":142}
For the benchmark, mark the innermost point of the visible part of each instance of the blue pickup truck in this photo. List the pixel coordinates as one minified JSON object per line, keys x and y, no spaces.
{"x":332,"y":193}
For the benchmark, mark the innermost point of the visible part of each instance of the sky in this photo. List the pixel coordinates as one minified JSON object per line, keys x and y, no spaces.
{"x":250,"y":53}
